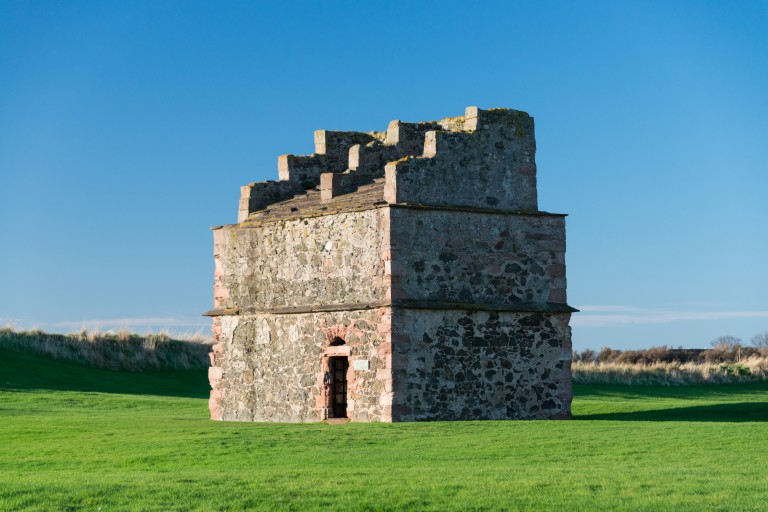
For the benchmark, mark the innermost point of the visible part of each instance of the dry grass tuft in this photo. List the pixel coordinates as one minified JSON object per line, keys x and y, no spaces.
{"x":113,"y":351}
{"x":752,"y":369}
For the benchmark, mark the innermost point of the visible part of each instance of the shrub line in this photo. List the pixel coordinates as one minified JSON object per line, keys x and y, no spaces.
{"x":752,"y":369}
{"x":120,"y":352}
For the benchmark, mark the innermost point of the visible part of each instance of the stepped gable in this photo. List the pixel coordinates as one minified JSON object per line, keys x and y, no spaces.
{"x":450,"y":162}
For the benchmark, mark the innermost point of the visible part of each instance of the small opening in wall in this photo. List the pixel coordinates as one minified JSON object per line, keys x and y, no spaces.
{"x":337,"y":341}
{"x":338,"y":386}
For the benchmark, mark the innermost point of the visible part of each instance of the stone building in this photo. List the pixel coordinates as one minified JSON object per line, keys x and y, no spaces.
{"x":403,"y":275}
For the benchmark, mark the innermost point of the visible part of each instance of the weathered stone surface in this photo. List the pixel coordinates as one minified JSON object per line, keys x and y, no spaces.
{"x":492,"y":164}
{"x":458,"y":256}
{"x":302,"y":171}
{"x":402,"y":139}
{"x":332,"y":259}
{"x":335,"y":146}
{"x":422,"y":261}
{"x":453,"y":365}
{"x":272,"y":366}
{"x":257,"y":196}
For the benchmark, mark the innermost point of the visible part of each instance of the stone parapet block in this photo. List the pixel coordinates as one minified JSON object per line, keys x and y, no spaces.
{"x":365,"y":160}
{"x":334,"y":145}
{"x":403,"y":140}
{"x":257,"y":196}
{"x":447,"y":142}
{"x":490,"y":164}
{"x":370,"y":159}
{"x":330,"y":185}
{"x":409,"y":137}
{"x":390,"y":183}
{"x":302,"y":170}
{"x":479,"y":119}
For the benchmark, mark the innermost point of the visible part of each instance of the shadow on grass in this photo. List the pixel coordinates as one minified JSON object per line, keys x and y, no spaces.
{"x":733,"y":412}
{"x":28,"y":372}
{"x":758,"y":390}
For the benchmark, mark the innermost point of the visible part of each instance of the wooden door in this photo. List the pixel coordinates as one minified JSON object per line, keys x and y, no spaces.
{"x":339,"y":367}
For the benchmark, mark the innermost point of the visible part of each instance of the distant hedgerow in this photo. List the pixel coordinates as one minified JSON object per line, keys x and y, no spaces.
{"x":120,"y":351}
{"x":752,"y":369}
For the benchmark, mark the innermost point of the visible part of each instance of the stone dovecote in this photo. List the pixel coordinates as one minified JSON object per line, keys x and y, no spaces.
{"x":402,"y":275}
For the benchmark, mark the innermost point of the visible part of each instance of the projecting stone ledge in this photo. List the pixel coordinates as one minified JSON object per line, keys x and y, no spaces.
{"x":549,"y":307}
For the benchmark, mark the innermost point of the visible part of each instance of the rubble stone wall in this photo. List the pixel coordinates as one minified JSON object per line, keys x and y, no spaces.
{"x":455,"y":365}
{"x":481,"y":258}
{"x":270,"y":367}
{"x":491,"y":164}
{"x":331,"y":259}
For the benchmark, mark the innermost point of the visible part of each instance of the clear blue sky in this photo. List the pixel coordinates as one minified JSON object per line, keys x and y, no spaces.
{"x":127,"y":128}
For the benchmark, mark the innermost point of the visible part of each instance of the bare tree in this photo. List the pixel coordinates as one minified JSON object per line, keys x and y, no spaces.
{"x":607,"y":355}
{"x":588,"y":356}
{"x":760,"y":340}
{"x":726,"y":342}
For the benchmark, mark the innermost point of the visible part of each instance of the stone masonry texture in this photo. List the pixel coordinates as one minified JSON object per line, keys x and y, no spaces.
{"x":400,"y":275}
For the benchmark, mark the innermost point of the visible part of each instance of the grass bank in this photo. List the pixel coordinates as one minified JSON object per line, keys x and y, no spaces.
{"x":752,"y":369}
{"x":118,"y":351}
{"x":75,"y":438}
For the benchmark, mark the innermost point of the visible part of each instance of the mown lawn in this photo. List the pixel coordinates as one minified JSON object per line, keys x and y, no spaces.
{"x":74,"y":438}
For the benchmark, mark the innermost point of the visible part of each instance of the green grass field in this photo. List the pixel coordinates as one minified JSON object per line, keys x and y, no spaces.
{"x":76,"y":438}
